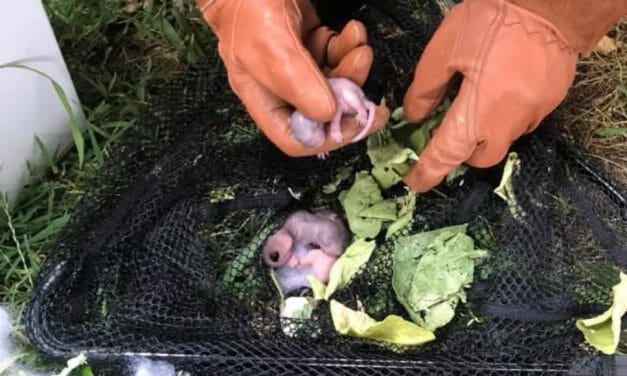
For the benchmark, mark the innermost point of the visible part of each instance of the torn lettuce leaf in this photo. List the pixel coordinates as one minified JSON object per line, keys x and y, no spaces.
{"x":297,"y":309}
{"x":416,"y":137}
{"x":73,"y":364}
{"x":603,"y":332}
{"x":431,"y":271}
{"x":367,"y":212}
{"x":406,"y":205}
{"x":392,"y":330}
{"x":390,"y":162}
{"x":505,"y":190}
{"x":348,"y":264}
{"x":318,"y":288}
{"x":341,"y":174}
{"x":384,"y":210}
{"x":362,"y":194}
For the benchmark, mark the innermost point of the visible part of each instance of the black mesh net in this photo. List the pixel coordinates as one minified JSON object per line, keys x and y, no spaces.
{"x":162,"y":258}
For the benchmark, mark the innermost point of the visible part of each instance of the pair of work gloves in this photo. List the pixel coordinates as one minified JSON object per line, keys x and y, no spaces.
{"x":517,"y":58}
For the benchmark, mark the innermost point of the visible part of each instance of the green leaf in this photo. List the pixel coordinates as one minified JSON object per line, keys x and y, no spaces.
{"x":73,"y":364}
{"x":79,"y":141}
{"x":348,"y":264}
{"x":399,"y":224}
{"x":362,"y":194}
{"x":77,"y":137}
{"x":387,"y":176}
{"x":405,"y":214}
{"x":48,"y":159}
{"x":317,"y":287}
{"x":432,"y":268}
{"x":52,"y":228}
{"x":172,"y":35}
{"x":611,"y":132}
{"x":275,"y":280}
{"x":441,"y":313}
{"x":298,"y":309}
{"x":86,"y":371}
{"x":94,"y":143}
{"x":389,"y":160}
{"x":505,"y":189}
{"x":341,"y":174}
{"x":418,"y":135}
{"x":392,"y":330}
{"x":603,"y":332}
{"x":385,"y":210}
{"x":398,"y":114}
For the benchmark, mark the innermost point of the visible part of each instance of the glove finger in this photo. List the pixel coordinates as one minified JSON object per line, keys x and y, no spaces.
{"x":355,"y":65}
{"x":434,"y":70}
{"x":310,"y":19}
{"x":353,"y":35}
{"x":498,"y":127}
{"x":318,"y":42}
{"x":453,"y":142}
{"x":277,"y":60}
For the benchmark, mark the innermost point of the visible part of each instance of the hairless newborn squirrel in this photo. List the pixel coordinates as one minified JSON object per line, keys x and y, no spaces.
{"x":306,"y":244}
{"x":351,"y":101}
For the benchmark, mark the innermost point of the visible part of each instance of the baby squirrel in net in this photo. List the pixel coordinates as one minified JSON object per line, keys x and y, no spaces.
{"x":351,"y":101}
{"x":306,"y":244}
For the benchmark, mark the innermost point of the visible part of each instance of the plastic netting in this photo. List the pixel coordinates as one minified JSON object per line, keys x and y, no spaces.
{"x":162,"y":258}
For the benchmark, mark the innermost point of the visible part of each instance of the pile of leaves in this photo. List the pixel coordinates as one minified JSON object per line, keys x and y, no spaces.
{"x":431,"y":269}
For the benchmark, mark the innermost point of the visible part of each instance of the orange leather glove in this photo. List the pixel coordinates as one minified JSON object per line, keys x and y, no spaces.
{"x":277,"y":54}
{"x":517,"y":67}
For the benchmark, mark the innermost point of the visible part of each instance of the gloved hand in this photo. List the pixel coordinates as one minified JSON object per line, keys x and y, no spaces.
{"x":277,"y":54}
{"x":517,"y":67}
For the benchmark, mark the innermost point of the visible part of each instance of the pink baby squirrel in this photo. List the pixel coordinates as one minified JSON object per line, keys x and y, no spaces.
{"x":351,"y":101}
{"x":306,"y":244}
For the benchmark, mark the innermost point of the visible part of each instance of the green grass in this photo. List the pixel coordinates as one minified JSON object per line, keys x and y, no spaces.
{"x":595,"y":111}
{"x":118,"y":52}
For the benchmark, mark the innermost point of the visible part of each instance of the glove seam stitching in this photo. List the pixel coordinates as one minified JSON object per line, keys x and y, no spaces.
{"x":486,"y":45}
{"x":443,"y":90}
{"x":233,"y":33}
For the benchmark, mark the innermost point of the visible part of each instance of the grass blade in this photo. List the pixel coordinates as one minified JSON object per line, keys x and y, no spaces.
{"x":53,"y":227}
{"x":79,"y":141}
{"x":172,"y":35}
{"x":94,"y":143}
{"x":77,"y":137}
{"x":611,"y":132}
{"x":5,"y":207}
{"x":46,"y":155}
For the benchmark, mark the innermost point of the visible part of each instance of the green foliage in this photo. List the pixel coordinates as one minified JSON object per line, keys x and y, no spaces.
{"x":603,"y":331}
{"x":392,"y":330}
{"x":390,"y":161}
{"x":431,"y":270}
{"x":363,"y":193}
{"x":118,"y":53}
{"x":351,"y":261}
{"x":611,"y":132}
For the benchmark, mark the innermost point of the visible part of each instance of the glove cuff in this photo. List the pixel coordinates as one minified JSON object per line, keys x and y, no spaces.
{"x":582,"y":22}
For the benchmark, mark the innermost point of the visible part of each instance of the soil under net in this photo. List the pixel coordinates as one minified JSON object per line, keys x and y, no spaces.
{"x":162,"y":257}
